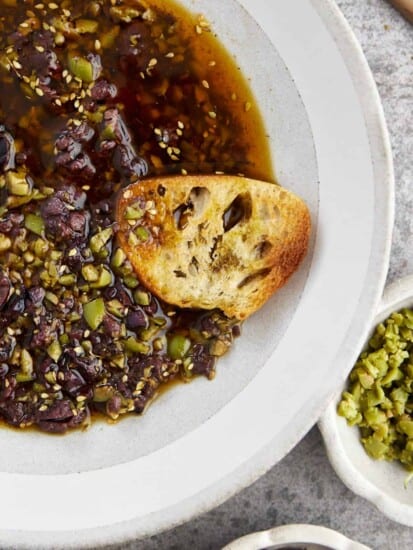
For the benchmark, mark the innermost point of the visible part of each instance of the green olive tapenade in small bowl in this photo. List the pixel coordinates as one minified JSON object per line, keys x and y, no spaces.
{"x":366,"y":428}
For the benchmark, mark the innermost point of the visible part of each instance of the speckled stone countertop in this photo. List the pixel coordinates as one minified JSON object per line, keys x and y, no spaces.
{"x":303,"y":488}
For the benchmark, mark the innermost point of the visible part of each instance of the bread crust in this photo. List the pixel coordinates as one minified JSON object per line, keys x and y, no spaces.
{"x":209,"y":242}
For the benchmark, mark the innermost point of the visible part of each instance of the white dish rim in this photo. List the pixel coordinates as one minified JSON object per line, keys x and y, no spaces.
{"x":295,"y":534}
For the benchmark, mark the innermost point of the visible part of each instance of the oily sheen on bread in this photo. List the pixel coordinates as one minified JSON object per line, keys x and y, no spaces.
{"x":208,"y":242}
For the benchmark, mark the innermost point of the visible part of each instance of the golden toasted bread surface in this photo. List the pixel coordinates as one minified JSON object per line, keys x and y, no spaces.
{"x":208,"y":242}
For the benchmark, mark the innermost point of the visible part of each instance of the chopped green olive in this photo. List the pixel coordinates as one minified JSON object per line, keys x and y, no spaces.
{"x":90,"y":273}
{"x":24,"y":377}
{"x":102,"y":394}
{"x":116,"y":308}
{"x":136,"y":346}
{"x":81,"y":68}
{"x":118,"y":258}
{"x":378,"y":399}
{"x":68,"y":280}
{"x":104,"y":279}
{"x":5,"y":243}
{"x":84,"y":26}
{"x":26,"y":362}
{"x":142,"y":297}
{"x":178,"y":346}
{"x":17,"y":184}
{"x":94,"y":312}
{"x":54,"y":350}
{"x":131,"y":281}
{"x":133,"y":212}
{"x":142,"y":233}
{"x":34,"y":223}
{"x":98,"y":241}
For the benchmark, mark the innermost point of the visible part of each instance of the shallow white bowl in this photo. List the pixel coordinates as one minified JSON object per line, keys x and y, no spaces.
{"x":203,"y":442}
{"x":380,"y":482}
{"x":314,"y":537}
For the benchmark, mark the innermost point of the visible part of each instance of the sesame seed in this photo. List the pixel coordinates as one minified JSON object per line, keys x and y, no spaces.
{"x":198,"y":29}
{"x":39,"y":92}
{"x":181,"y":125}
{"x":157,"y":131}
{"x":247,"y":106}
{"x":43,"y":408}
{"x":212,"y":114}
{"x":16,"y":64}
{"x":40,"y":49}
{"x":66,"y":12}
{"x":179,"y":132}
{"x":98,"y":45}
{"x":170,"y":55}
{"x":205,"y":84}
{"x":81,"y":398}
{"x":65,"y":73}
{"x":39,"y":6}
{"x":77,"y":122}
{"x":152,"y":62}
{"x":58,"y":102}
{"x":52,"y":6}
{"x":44,"y":395}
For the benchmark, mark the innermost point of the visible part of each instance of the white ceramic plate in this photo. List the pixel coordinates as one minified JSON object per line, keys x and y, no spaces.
{"x":200,"y":444}
{"x":382,"y":483}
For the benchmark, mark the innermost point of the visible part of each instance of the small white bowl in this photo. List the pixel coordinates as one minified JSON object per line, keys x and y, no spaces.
{"x":382,"y":483}
{"x":314,"y":537}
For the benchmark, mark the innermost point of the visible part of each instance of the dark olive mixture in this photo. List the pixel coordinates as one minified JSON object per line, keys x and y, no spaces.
{"x":95,"y":95}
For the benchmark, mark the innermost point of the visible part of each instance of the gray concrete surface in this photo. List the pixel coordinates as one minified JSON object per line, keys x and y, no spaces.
{"x":303,"y":488}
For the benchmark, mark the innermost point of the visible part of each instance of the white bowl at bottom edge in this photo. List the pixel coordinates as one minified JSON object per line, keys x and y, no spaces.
{"x":305,"y":537}
{"x":380,"y":482}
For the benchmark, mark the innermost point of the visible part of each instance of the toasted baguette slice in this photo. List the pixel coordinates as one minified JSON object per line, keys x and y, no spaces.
{"x":208,"y":242}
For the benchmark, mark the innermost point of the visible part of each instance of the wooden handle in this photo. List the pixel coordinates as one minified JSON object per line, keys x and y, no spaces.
{"x":405,"y":7}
